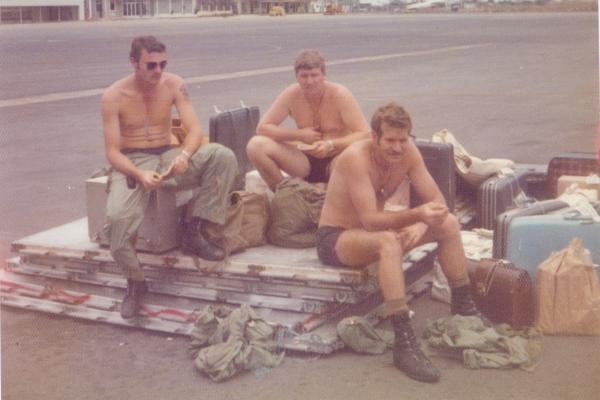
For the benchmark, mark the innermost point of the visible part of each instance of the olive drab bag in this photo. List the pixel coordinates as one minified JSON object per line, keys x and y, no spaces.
{"x":245,"y":224}
{"x":295,"y":212}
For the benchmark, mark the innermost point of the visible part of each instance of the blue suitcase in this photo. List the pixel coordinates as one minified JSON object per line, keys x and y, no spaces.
{"x":504,"y":220}
{"x":532,"y":239}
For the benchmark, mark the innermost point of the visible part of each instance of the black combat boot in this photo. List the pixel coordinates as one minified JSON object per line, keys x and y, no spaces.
{"x":194,"y":242}
{"x":133,"y":297}
{"x":408,"y":356}
{"x":462,"y":304}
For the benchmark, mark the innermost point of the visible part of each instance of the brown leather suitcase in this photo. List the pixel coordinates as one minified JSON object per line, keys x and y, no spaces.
{"x":502,"y":292}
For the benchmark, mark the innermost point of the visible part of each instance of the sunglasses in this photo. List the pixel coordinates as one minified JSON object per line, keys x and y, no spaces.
{"x":150,"y":66}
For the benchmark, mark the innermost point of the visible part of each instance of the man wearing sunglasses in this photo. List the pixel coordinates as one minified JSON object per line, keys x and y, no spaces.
{"x":355,"y":231}
{"x":136,"y":116}
{"x":327,"y":117}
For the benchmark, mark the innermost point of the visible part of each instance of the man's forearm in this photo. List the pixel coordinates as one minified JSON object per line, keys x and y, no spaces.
{"x":192,"y":142}
{"x":121,"y":163}
{"x":385,"y":220}
{"x":278,"y":133}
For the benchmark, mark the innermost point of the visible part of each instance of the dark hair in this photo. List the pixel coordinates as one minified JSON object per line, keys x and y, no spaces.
{"x":393,"y":115}
{"x":309,"y":59}
{"x":148,"y":43}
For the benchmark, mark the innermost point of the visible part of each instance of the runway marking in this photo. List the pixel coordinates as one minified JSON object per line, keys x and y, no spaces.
{"x":48,"y":98}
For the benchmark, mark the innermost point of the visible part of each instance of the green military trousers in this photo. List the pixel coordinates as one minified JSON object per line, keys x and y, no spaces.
{"x":211,"y":173}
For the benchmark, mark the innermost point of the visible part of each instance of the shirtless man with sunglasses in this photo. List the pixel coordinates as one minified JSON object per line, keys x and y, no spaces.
{"x":136,"y":116}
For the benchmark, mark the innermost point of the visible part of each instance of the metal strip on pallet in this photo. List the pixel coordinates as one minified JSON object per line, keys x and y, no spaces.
{"x":311,"y":337}
{"x":301,"y":264}
{"x":241,"y":284}
{"x":175,"y":289}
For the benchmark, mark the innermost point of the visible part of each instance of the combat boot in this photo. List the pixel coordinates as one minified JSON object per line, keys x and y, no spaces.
{"x":194,"y":242}
{"x":408,"y":356}
{"x":462,"y":303}
{"x":133,"y":297}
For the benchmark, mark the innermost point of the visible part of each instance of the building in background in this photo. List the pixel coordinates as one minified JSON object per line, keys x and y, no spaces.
{"x":21,"y":11}
{"x":24,"y":11}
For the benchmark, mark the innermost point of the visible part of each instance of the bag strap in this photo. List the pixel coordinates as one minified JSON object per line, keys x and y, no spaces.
{"x":491,"y":271}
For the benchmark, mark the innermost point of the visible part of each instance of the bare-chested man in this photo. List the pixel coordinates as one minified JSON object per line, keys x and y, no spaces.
{"x":354,"y":230}
{"x":136,"y":115}
{"x":327,"y":116}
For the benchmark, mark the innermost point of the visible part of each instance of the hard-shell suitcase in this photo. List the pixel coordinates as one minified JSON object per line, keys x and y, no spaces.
{"x":532,"y":239}
{"x":589,"y":184}
{"x":504,"y":220}
{"x":573,"y":163}
{"x":502,"y":291}
{"x":234,"y":128}
{"x":502,"y":192}
{"x":159,"y":231}
{"x":439,"y":160}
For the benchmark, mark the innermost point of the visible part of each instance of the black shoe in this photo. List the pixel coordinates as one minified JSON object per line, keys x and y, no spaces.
{"x":194,"y":242}
{"x":462,"y":303}
{"x":133,"y":297}
{"x":408,"y":356}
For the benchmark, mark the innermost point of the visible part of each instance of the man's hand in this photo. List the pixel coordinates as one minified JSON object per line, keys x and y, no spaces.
{"x":180,"y":164}
{"x":309,"y":135}
{"x":433,"y":213}
{"x":324,"y":149}
{"x":410,"y":236}
{"x":149,"y":180}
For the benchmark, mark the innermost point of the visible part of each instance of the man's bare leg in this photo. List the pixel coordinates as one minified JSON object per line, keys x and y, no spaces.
{"x":451,"y":256}
{"x":271,"y":157}
{"x":358,"y":248}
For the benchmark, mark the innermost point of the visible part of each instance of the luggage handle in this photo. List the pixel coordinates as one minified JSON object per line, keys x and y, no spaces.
{"x":580,"y":218}
{"x":490,"y":275}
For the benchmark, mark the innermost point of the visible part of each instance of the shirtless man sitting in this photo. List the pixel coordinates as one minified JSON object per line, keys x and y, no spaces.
{"x":327,"y":117}
{"x":354,"y":230}
{"x":136,"y":116}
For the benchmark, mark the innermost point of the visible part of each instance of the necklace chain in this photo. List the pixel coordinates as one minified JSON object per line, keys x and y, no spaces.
{"x":384,"y":172}
{"x":316,"y":111}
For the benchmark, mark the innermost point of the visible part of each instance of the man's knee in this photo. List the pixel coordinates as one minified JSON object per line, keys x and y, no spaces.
{"x":224,"y":156}
{"x":450,"y":227}
{"x":258,"y":146}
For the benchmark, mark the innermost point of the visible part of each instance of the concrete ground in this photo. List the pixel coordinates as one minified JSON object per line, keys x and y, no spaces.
{"x":52,"y":357}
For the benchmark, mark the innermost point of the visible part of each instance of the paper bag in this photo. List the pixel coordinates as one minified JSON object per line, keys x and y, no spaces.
{"x":568,"y":293}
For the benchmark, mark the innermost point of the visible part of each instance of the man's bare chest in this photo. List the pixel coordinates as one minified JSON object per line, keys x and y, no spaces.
{"x":138,"y":112}
{"x":388,"y":182}
{"x":325,"y":118}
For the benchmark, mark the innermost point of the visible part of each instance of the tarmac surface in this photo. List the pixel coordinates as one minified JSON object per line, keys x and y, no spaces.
{"x":521,"y":86}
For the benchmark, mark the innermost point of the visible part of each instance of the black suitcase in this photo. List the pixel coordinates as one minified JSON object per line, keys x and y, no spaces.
{"x":500,"y":193}
{"x":439,"y":160}
{"x":573,"y":163}
{"x":504,"y":220}
{"x":234,"y":128}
